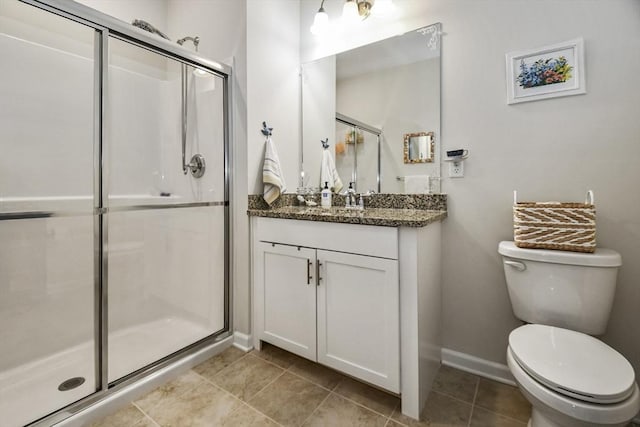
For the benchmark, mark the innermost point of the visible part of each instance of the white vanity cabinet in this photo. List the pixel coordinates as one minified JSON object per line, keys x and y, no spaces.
{"x":331,"y":298}
{"x":285,"y":297}
{"x":358,"y":317}
{"x":362,"y":299}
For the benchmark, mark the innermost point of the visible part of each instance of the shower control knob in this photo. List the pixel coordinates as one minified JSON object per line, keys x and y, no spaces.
{"x":197,"y":165}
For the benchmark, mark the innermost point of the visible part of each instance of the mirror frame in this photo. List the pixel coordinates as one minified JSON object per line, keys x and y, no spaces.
{"x":430,"y":148}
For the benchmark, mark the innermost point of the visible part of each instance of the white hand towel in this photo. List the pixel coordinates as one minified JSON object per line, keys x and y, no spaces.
{"x":329,"y":173}
{"x":416,"y":184}
{"x":272,"y":174}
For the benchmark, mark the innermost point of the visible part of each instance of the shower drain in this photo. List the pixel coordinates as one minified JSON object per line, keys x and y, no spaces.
{"x":71,"y":383}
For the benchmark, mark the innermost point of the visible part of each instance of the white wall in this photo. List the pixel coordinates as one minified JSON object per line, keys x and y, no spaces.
{"x":152,"y":11}
{"x":548,"y":150}
{"x":273,"y":86}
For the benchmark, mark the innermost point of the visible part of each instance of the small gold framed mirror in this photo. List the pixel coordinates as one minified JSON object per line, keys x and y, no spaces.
{"x":419,"y":147}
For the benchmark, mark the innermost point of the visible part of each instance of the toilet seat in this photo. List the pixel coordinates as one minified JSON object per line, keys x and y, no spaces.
{"x":572,"y":363}
{"x":547,"y":400}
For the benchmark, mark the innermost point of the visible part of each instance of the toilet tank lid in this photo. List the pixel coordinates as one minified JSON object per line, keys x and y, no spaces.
{"x":600,"y":258}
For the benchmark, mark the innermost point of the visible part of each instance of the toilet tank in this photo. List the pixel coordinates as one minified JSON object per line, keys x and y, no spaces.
{"x":570,"y":290}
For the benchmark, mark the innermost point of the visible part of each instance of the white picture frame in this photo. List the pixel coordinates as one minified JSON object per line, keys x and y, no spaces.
{"x":546,"y":72}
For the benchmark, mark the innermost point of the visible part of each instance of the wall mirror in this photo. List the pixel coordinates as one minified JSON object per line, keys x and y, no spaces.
{"x":366,"y":100}
{"x":418,"y":147}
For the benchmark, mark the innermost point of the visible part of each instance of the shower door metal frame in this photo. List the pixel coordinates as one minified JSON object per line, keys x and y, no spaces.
{"x":106,"y":27}
{"x":355,"y":126}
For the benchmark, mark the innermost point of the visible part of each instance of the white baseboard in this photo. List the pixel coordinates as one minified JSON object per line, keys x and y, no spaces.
{"x":243,"y":341}
{"x":475,"y":365}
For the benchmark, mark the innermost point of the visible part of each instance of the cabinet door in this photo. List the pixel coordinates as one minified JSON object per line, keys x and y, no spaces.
{"x":285,"y":297}
{"x":358,"y":317}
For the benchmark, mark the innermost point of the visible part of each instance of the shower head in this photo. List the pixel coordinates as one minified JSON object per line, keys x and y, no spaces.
{"x":144,"y":25}
{"x":195,"y":40}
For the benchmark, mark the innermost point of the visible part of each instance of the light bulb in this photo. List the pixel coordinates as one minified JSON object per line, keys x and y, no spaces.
{"x":320,"y":23}
{"x":350,"y":13}
{"x":383,"y":7}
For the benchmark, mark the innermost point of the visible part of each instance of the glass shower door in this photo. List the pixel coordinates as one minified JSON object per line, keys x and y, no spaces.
{"x":48,"y":224}
{"x":165,"y":229}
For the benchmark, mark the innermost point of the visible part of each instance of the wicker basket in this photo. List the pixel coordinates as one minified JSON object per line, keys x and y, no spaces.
{"x":553,"y":225}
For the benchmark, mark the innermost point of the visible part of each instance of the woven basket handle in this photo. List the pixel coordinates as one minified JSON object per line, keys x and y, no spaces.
{"x":590,"y":200}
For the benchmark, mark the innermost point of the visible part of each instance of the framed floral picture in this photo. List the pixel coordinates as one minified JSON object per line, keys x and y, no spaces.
{"x":547,"y":72}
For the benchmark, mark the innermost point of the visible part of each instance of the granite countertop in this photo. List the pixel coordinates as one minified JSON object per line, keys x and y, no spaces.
{"x":369,"y":216}
{"x":389,"y":210}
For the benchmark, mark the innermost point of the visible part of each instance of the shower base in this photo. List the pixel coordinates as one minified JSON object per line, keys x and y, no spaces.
{"x":30,"y":391}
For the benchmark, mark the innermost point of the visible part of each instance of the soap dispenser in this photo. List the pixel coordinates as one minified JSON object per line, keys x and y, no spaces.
{"x":325,"y":200}
{"x":350,"y":199}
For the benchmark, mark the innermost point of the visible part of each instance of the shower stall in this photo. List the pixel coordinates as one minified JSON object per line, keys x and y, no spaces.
{"x":114,"y":249}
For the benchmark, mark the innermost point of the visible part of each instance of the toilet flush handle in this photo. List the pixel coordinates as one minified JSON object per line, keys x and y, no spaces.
{"x":520,"y":266}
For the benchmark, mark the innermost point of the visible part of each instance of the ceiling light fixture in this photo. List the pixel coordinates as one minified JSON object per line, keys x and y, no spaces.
{"x":353,"y":11}
{"x":350,"y":13}
{"x":364,"y":8}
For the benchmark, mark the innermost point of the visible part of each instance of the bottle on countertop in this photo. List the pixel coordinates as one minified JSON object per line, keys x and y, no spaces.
{"x":350,"y":198}
{"x":325,"y":200}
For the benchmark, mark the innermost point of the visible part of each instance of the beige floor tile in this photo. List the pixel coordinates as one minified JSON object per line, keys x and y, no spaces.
{"x":372,"y":398}
{"x":247,"y":376}
{"x":456,"y":383}
{"x":440,"y":410}
{"x":145,"y":422}
{"x":211,"y":367}
{"x":204,"y":405}
{"x":289,"y":400}
{"x":502,"y":399}
{"x":337,"y":411}
{"x":316,"y":373}
{"x":127,"y":416}
{"x":276,"y":355}
{"x":174,"y":388}
{"x":483,"y":418}
{"x":245,"y":416}
{"x":392,"y":423}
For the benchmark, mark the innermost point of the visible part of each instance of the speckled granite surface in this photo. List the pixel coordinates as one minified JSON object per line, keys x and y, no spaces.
{"x":434,"y":202}
{"x":389,"y":210}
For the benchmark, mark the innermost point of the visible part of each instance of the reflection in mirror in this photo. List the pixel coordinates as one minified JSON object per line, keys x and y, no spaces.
{"x":418,"y":147}
{"x":392,"y":86}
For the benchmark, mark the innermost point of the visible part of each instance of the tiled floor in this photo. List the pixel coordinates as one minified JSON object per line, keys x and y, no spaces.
{"x":273,"y":387}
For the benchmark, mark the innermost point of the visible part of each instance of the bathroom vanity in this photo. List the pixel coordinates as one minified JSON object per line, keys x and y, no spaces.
{"x":357,"y":291}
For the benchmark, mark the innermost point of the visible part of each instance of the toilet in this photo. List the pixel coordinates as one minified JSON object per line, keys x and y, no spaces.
{"x":569,"y":377}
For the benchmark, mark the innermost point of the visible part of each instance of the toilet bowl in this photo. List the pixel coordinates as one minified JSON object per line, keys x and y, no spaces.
{"x":570,"y":378}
